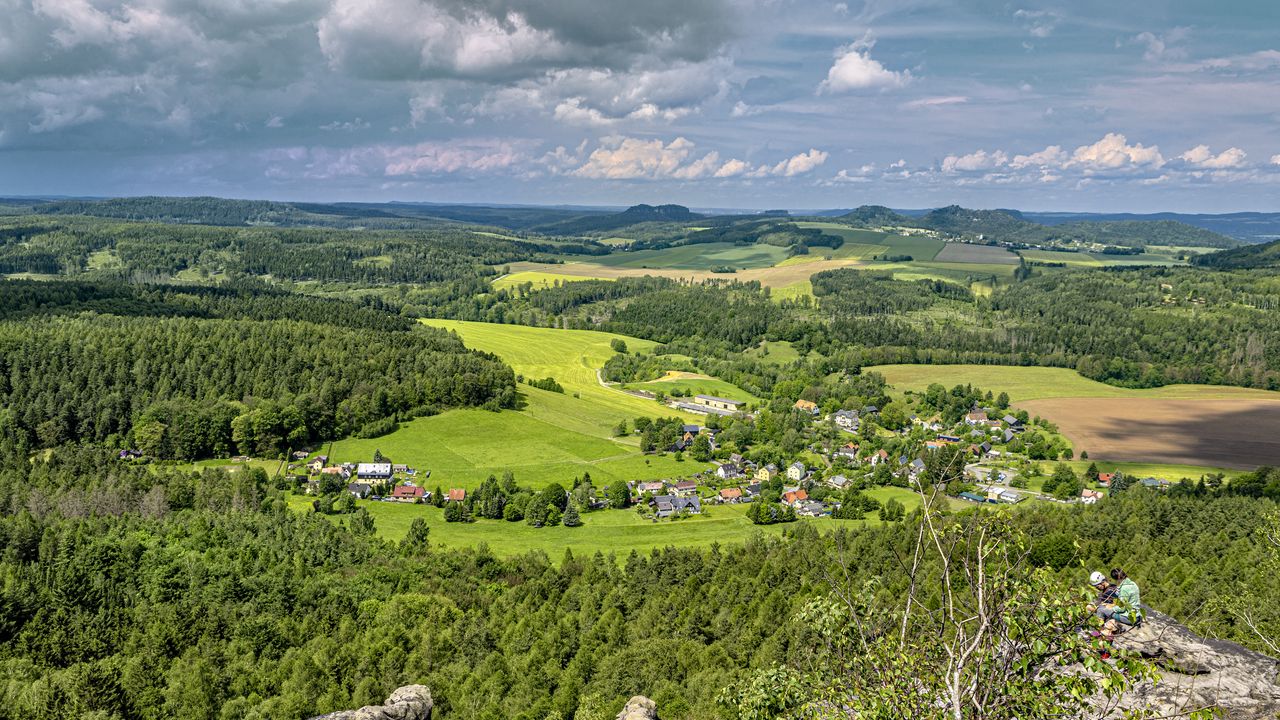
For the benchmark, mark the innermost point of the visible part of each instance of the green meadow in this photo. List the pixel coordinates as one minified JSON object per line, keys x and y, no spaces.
{"x":703,"y":256}
{"x":539,"y":280}
{"x":555,"y":437}
{"x":697,"y":386}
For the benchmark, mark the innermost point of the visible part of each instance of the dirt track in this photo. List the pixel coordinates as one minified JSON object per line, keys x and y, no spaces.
{"x":1234,"y":433}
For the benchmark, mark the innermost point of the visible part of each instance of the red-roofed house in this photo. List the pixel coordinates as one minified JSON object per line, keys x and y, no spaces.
{"x":407,"y":493}
{"x":795,"y":496}
{"x":1104,"y":479}
{"x":457,"y":495}
{"x":731,"y":494}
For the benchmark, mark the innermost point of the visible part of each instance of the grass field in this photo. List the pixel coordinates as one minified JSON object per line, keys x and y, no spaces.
{"x":606,"y":531}
{"x":696,"y":385}
{"x":702,"y":256}
{"x":1055,"y":256}
{"x":981,"y":254}
{"x":556,"y":437}
{"x":540,"y":280}
{"x":919,"y":247}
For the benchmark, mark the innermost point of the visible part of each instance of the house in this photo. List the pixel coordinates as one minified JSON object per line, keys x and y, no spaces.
{"x":838,"y":482}
{"x":685,"y":488}
{"x":654,"y":486}
{"x":240,"y":459}
{"x":456,"y":495}
{"x":1155,"y":483}
{"x":767,"y":473}
{"x":700,"y":409}
{"x":408,"y":494}
{"x":129,"y":455}
{"x":728,"y":471}
{"x":719,"y":403}
{"x":691,"y":429}
{"x":807,"y":406}
{"x":751,"y":491}
{"x":377,"y":472}
{"x":317,"y":464}
{"x":972,"y":497}
{"x":668,"y":505}
{"x":1104,"y":479}
{"x":400,"y":469}
{"x":1008,"y":435}
{"x":736,"y":458}
{"x":848,"y":452}
{"x":949,"y":438}
{"x":1014,"y":423}
{"x":795,"y":496}
{"x":847,"y":419}
{"x":359,"y":490}
{"x":731,"y":495}
{"x":917,"y":467}
{"x":879,"y":457}
{"x":1089,"y":497}
{"x":796,"y":471}
{"x":810,"y":508}
{"x":977,"y":417}
{"x":336,"y":470}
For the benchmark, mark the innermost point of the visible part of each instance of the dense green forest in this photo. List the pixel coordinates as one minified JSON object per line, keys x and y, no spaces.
{"x":198,"y":372}
{"x":132,"y":592}
{"x":1135,"y":327}
{"x":1009,"y":226}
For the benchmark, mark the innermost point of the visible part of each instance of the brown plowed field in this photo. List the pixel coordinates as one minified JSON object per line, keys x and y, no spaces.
{"x":1233,"y":433}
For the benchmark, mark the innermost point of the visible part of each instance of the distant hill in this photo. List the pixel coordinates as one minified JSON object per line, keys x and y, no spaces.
{"x":1266,"y":255}
{"x":219,"y":211}
{"x":1013,"y":226}
{"x":1251,"y":227}
{"x":634,"y":215}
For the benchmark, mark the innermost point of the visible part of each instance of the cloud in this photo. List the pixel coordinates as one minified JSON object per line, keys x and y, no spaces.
{"x":1275,"y":159}
{"x":1040,"y":23}
{"x":628,"y":158}
{"x":854,"y":69}
{"x":979,"y":160}
{"x":497,"y":40}
{"x":1052,"y":156}
{"x":417,"y":160}
{"x":1160,"y":47}
{"x":936,"y":101}
{"x":1113,"y":152}
{"x":1200,"y":156}
{"x":1254,"y":62}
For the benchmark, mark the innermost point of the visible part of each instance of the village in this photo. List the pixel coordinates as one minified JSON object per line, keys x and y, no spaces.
{"x":978,"y":459}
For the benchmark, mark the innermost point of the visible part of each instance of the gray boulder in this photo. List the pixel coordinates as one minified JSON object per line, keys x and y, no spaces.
{"x":639,"y":708}
{"x":411,"y":702}
{"x":1201,"y":673}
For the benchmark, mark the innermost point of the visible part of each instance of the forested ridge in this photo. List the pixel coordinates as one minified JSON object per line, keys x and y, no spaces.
{"x":135,"y":592}
{"x":198,"y":372}
{"x":1134,"y":327}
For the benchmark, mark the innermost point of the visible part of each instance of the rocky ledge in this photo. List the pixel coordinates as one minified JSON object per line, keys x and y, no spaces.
{"x":411,"y":702}
{"x":639,"y":708}
{"x":1201,"y":673}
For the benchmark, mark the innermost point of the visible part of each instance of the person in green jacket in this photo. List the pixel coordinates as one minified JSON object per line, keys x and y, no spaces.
{"x":1128,"y":608}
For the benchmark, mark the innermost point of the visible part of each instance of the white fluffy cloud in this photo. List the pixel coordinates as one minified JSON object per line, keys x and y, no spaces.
{"x":627,"y":158}
{"x":978,"y":160}
{"x":855,"y":69}
{"x":1039,"y":23}
{"x":1275,"y":159}
{"x":1201,"y":156}
{"x":1113,"y":152}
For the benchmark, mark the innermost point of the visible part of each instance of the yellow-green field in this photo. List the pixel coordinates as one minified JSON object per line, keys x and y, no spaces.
{"x":539,"y":280}
{"x":554,"y":438}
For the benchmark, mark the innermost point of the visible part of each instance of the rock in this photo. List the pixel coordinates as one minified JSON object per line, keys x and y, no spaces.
{"x":411,"y":702}
{"x":1199,"y":672}
{"x":639,"y":708}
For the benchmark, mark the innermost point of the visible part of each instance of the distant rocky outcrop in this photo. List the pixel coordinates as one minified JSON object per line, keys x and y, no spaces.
{"x":639,"y":708}
{"x":1201,"y":673}
{"x":411,"y":702}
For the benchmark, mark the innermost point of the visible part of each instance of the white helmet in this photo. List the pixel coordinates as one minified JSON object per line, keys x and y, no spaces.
{"x":1097,"y":578}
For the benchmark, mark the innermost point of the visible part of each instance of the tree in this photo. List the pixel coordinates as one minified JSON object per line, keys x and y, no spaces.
{"x":618,"y":495}
{"x":1002,"y":400}
{"x":1091,"y":475}
{"x":535,"y":513}
{"x":571,"y":517}
{"x":620,"y":430}
{"x":701,"y":450}
{"x":455,"y":512}
{"x":1064,"y":484}
{"x":618,"y":345}
{"x":361,"y":523}
{"x":437,"y":497}
{"x":417,"y":539}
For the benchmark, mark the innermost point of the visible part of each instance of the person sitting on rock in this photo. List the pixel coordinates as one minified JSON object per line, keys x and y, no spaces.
{"x":1106,"y":591}
{"x":1128,"y":609}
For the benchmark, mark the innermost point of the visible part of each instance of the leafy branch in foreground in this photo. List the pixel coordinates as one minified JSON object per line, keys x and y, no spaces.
{"x":978,"y":634}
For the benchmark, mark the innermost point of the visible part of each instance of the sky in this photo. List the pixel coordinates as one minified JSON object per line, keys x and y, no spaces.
{"x":1084,"y":106}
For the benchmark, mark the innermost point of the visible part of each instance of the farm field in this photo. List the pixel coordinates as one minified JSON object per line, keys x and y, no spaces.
{"x":1193,"y":426}
{"x":703,"y":256}
{"x":1233,"y":433}
{"x":978,"y":254}
{"x":694,"y":384}
{"x":555,"y":437}
{"x":540,"y":280}
{"x":606,"y":531}
{"x":1057,"y":256}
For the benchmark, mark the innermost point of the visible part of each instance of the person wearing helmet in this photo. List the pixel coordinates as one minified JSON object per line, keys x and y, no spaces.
{"x":1106,"y":591}
{"x":1126,"y":607}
